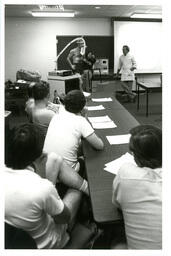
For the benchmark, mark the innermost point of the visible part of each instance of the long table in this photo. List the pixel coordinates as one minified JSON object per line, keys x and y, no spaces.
{"x":100,"y":181}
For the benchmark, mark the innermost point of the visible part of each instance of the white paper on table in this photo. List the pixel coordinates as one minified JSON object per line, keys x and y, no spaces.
{"x":99,"y":119}
{"x":115,"y":165}
{"x":7,"y":113}
{"x":102,"y":99}
{"x":118,"y":139}
{"x":86,"y":94}
{"x":104,"y":125}
{"x":99,"y":107}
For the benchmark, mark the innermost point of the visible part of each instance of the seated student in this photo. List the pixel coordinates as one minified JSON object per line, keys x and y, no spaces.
{"x":39,"y":108}
{"x":32,"y":203}
{"x":68,"y":127}
{"x":137,"y":189}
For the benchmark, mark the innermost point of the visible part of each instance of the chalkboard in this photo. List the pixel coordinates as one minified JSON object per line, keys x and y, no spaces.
{"x":101,"y":46}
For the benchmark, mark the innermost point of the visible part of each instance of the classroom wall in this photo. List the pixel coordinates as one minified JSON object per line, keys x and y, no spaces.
{"x":31,"y":43}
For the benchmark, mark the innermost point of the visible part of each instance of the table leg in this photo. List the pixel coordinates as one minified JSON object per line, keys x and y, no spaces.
{"x":100,"y":75}
{"x":146,"y":102}
{"x":138,"y":95}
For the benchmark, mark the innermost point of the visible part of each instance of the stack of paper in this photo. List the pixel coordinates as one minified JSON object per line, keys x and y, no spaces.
{"x":115,"y":165}
{"x":101,"y":122}
{"x":118,"y":139}
{"x":102,"y":99}
{"x":99,"y":107}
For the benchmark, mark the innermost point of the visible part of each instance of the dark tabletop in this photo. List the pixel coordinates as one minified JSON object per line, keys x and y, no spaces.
{"x":100,"y":181}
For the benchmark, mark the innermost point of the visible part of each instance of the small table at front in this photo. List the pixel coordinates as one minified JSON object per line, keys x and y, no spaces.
{"x":100,"y":181}
{"x":148,"y":87}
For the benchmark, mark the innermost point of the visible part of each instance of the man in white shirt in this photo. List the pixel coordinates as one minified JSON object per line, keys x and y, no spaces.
{"x":68,"y":128}
{"x":127,"y":65}
{"x":32,"y":203}
{"x":137,"y":190}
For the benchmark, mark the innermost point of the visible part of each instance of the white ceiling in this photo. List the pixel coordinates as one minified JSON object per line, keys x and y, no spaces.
{"x":86,"y":11}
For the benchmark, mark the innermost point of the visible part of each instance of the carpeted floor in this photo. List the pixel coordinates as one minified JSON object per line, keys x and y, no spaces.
{"x":155,"y":104}
{"x":155,"y":109}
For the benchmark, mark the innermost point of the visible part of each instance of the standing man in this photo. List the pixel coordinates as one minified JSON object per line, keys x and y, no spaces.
{"x":89,"y":61}
{"x":75,"y":60}
{"x":127,"y":65}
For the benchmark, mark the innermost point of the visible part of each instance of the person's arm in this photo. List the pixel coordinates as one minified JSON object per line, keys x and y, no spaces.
{"x":56,"y":168}
{"x":115,"y":192}
{"x":88,"y":134}
{"x":64,"y":217}
{"x":95,"y":141}
{"x":53,"y":205}
{"x":134,"y":65}
{"x":53,"y":165}
{"x":72,"y":179}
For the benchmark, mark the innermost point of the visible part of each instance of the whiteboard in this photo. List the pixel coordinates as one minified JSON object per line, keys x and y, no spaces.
{"x":145,"y":42}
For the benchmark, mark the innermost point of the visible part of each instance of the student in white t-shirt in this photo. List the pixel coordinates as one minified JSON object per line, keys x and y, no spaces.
{"x":32,"y":203}
{"x":137,"y":190}
{"x":68,"y":128}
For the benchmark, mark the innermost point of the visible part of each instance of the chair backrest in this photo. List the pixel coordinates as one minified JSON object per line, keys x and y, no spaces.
{"x":16,"y":238}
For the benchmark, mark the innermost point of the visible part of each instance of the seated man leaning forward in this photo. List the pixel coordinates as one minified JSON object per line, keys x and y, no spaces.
{"x":39,"y":109}
{"x":32,"y":203}
{"x":137,"y":190}
{"x":68,"y":127}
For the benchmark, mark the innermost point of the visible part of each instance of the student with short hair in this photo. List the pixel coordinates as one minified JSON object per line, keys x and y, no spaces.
{"x":41,"y":110}
{"x":137,"y":189}
{"x":32,"y":203}
{"x":68,"y":128}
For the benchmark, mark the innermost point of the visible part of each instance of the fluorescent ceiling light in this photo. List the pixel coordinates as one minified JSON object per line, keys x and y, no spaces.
{"x":147,"y":15}
{"x":53,"y":14}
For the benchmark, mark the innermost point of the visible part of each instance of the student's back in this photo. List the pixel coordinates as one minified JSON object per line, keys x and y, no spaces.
{"x":139,"y":193}
{"x":64,"y":135}
{"x":137,"y":189}
{"x":28,"y":205}
{"x":68,"y":127}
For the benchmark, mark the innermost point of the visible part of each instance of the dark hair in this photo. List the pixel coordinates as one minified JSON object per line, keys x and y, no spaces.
{"x":40,"y":90}
{"x":74,"y":101}
{"x":126,"y":46}
{"x":146,"y":144}
{"x":25,"y":145}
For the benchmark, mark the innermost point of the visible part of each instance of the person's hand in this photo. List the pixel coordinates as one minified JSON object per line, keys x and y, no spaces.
{"x":73,"y":67}
{"x":132,"y":69}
